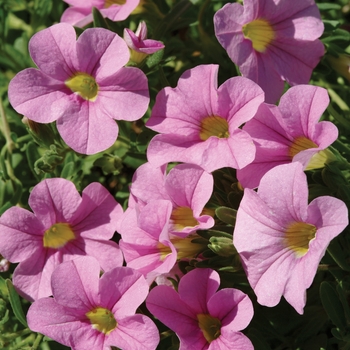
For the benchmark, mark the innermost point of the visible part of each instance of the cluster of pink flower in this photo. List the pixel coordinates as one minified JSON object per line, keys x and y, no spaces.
{"x":61,"y":246}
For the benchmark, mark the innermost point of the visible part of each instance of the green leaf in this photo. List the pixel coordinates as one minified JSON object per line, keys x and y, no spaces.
{"x":99,"y":20}
{"x":337,"y":253}
{"x":332,"y":305}
{"x":155,"y":58}
{"x":328,"y":6}
{"x":227,"y":215}
{"x":338,"y":35}
{"x":16,"y":303}
{"x":3,"y":288}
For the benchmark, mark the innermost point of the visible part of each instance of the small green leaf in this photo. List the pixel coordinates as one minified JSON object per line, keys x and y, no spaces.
{"x":16,"y":303}
{"x":99,"y":20}
{"x":328,"y":6}
{"x":332,"y":305}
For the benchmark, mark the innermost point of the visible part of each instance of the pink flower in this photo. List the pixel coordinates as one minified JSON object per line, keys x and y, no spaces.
{"x":146,"y":242}
{"x":290,"y":132}
{"x":88,"y":312}
{"x":201,"y":317}
{"x":199,"y":123}
{"x":82,"y":84}
{"x":80,"y":12}
{"x":272,"y":41}
{"x":140,"y":47}
{"x":187,"y":186}
{"x":64,"y":225}
{"x":281,"y":238}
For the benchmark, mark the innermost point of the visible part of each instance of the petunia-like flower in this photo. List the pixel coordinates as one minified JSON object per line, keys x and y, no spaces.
{"x":201,"y":317}
{"x":63,"y":225}
{"x":140,"y":47}
{"x":146,"y":242}
{"x":82,"y":84}
{"x":281,"y":238}
{"x":88,"y":312}
{"x":272,"y":41}
{"x":79,"y":14}
{"x":290,"y":132}
{"x":187,"y":186}
{"x":199,"y":123}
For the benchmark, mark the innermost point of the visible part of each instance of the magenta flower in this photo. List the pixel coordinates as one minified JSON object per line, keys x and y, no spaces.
{"x":272,"y":41}
{"x":88,"y":312}
{"x":80,"y":12}
{"x":281,"y":238}
{"x":199,"y":123}
{"x":290,"y":132}
{"x":187,"y":186}
{"x":82,"y":84}
{"x":201,"y":317}
{"x":64,"y":225}
{"x":146,"y":242}
{"x":140,"y":47}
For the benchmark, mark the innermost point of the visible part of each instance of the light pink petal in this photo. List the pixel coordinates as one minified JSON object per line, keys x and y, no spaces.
{"x":136,"y":332}
{"x":263,"y":72}
{"x":295,"y":60}
{"x":238,"y":101}
{"x":77,"y":16}
{"x":98,"y":214}
{"x":123,"y":290}
{"x":181,"y":109}
{"x":288,"y":183}
{"x":232,"y":307}
{"x":75,"y":284}
{"x":21,"y":234}
{"x":86,"y":128}
{"x":105,"y":50}
{"x":148,"y":183}
{"x":197,"y":287}
{"x":64,"y":325}
{"x":32,"y":277}
{"x":37,"y":96}
{"x":300,"y":118}
{"x":54,"y":200}
{"x":236,"y":151}
{"x":118,"y":12}
{"x":231,"y":340}
{"x":124,"y":95}
{"x":106,"y":252}
{"x":189,"y":186}
{"x":165,"y":304}
{"x":53,"y":51}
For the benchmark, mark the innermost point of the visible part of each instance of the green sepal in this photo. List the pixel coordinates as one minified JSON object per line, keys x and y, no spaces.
{"x":99,"y":20}
{"x":16,"y":303}
{"x":227,"y":215}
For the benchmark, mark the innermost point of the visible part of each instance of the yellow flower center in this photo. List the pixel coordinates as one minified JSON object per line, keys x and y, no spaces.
{"x":210,"y":327}
{"x":185,"y":248}
{"x":58,"y":235}
{"x":260,"y":32}
{"x":298,"y":236}
{"x":183,"y":217}
{"x":102,"y":319}
{"x":213,"y":126}
{"x":109,"y":3}
{"x":299,"y":144}
{"x":84,"y":85}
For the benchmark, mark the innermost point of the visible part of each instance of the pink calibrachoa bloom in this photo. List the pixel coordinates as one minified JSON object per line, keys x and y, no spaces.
{"x":290,"y":132}
{"x":201,"y":317}
{"x":88,"y":312}
{"x":82,"y":84}
{"x":199,"y":123}
{"x":272,"y":41}
{"x":140,"y":47}
{"x":146,"y":242}
{"x":63,"y":225}
{"x":80,"y":12}
{"x":187,"y":186}
{"x":281,"y":238}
